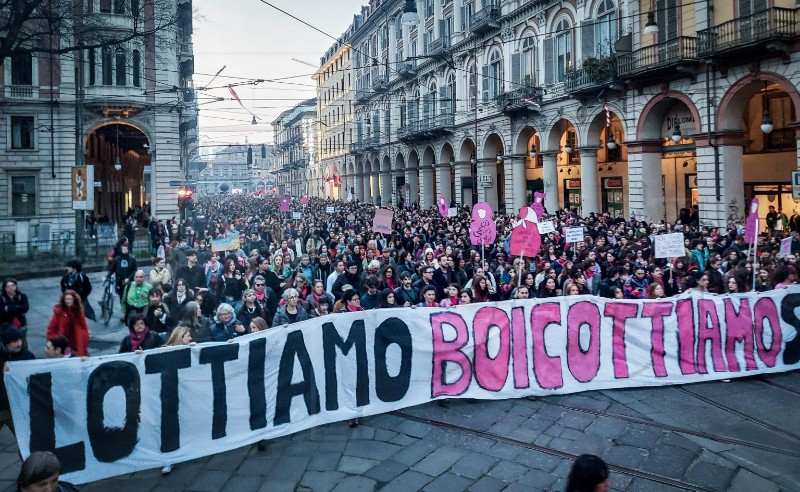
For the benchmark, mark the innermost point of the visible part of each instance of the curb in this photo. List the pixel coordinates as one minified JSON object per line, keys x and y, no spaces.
{"x":59,"y":272}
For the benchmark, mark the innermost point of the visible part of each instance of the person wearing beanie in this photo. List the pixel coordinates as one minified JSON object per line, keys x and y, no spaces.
{"x":11,"y":350}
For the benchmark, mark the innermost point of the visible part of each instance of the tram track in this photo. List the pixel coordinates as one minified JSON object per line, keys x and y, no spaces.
{"x":774,"y":384}
{"x":671,"y":428}
{"x":549,"y":451}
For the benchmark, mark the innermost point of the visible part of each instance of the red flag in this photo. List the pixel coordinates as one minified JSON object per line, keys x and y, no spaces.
{"x":235,"y":95}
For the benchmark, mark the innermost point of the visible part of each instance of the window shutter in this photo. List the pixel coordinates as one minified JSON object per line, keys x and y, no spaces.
{"x":744,"y":8}
{"x":587,"y":38}
{"x":463,"y":9}
{"x":485,"y":72}
{"x":672,"y":20}
{"x":516,"y":70}
{"x":759,"y":5}
{"x":442,"y":28}
{"x":445,"y":100}
{"x":549,"y":65}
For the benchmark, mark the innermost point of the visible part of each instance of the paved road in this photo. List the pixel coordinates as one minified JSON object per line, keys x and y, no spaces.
{"x":740,"y":436}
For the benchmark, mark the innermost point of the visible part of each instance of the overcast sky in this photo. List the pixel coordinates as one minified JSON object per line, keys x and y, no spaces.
{"x":255,"y":41}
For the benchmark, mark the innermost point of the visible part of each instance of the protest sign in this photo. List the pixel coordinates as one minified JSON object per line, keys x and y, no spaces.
{"x":452,"y":212}
{"x":330,"y":209}
{"x":118,"y":414}
{"x":574,"y":235}
{"x":383,"y":221}
{"x":444,"y":207}
{"x":225,"y":244}
{"x":297,"y":215}
{"x":786,"y":247}
{"x":670,"y":245}
{"x":304,"y":199}
{"x":546,"y":227}
{"x":285,"y":203}
{"x":482,"y":229}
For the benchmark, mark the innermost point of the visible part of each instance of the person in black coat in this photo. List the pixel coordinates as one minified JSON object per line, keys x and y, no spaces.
{"x":124,"y":267}
{"x":192,"y":273}
{"x":11,"y":350}
{"x":349,"y":277}
{"x":76,"y":280}
{"x":140,"y":336}
{"x":13,"y":305}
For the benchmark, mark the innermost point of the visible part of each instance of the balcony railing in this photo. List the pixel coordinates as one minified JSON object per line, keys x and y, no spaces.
{"x":356,"y":147}
{"x":677,"y":51}
{"x":22,"y":92}
{"x":485,"y":20}
{"x":439,"y":46}
{"x":782,"y":139}
{"x":771,"y":24}
{"x":362,"y":95}
{"x":590,"y":78}
{"x":554,"y":91}
{"x":408,"y":69}
{"x":380,"y":84}
{"x":521,"y":100}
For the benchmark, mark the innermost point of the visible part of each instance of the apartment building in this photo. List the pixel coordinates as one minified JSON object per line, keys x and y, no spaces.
{"x":296,"y":149}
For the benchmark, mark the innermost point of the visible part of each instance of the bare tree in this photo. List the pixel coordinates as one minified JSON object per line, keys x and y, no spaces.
{"x":64,"y":26}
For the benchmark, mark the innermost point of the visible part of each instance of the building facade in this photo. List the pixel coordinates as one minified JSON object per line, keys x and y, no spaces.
{"x":334,"y":81}
{"x":113,"y":98}
{"x":581,"y":100}
{"x":296,"y":149}
{"x":237,"y":169}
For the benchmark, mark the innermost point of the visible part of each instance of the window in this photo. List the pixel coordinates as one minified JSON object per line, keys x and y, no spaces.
{"x":137,"y":63}
{"x":472,"y":85}
{"x":119,"y":6}
{"x":22,"y":69}
{"x":495,"y":74}
{"x":23,"y":196}
{"x":22,"y":132}
{"x":105,"y":6}
{"x":528,"y":61}
{"x":120,"y":66}
{"x":466,"y":15}
{"x":449,"y":103}
{"x":107,"y":66}
{"x":430,"y":103}
{"x":135,"y":8}
{"x":563,"y":50}
{"x":92,"y":66}
{"x":402,"y":110}
{"x":605,"y":28}
{"x":667,"y":19}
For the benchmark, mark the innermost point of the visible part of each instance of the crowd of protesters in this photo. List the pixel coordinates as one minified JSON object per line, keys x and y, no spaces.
{"x":329,"y":261}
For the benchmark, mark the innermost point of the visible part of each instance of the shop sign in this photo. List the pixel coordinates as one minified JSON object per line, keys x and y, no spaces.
{"x":613,"y":182}
{"x":573,"y":184}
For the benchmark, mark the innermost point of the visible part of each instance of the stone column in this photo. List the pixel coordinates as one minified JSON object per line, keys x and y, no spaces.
{"x":724,"y":206}
{"x":386,"y":188}
{"x":488,"y":194}
{"x":550,"y":178}
{"x":645,"y":193}
{"x":443,"y":182}
{"x":516,"y":189}
{"x":412,"y":178}
{"x":366,"y":192}
{"x":426,"y":196}
{"x":590,"y":195}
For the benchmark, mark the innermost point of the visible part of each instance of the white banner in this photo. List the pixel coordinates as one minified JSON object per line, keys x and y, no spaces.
{"x":112,"y":415}
{"x":573,"y":235}
{"x":546,"y":227}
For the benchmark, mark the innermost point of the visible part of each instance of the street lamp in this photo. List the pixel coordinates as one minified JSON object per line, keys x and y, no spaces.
{"x":611,"y":144}
{"x":410,"y":16}
{"x":677,"y":136}
{"x":568,"y":146}
{"x":766,"y":121}
{"x":500,"y":157}
{"x":117,"y":162}
{"x":533,"y":151}
{"x":651,"y":27}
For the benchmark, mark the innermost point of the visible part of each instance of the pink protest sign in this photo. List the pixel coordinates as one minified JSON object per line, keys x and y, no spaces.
{"x":525,"y":239}
{"x":444,"y":208}
{"x":285,"y":203}
{"x":482,"y":230}
{"x":751,"y":225}
{"x":304,"y":199}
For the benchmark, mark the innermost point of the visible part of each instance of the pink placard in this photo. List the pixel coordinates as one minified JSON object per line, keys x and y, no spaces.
{"x":482,"y":230}
{"x":444,"y":208}
{"x":751,"y":225}
{"x":304,"y":199}
{"x":285,"y":203}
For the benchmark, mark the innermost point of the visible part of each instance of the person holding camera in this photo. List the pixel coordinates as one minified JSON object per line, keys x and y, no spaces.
{"x":233,"y":285}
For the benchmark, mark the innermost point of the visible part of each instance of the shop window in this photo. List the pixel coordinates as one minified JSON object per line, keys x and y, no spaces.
{"x":22,"y":134}
{"x":23,"y":196}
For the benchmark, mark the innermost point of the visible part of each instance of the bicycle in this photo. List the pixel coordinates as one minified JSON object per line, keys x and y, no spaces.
{"x":107,"y":301}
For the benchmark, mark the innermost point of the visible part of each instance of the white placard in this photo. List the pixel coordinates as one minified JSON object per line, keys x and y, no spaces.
{"x":670,"y":245}
{"x":574,"y":235}
{"x":297,"y":215}
{"x":329,"y":209}
{"x":546,"y":227}
{"x":453,"y":212}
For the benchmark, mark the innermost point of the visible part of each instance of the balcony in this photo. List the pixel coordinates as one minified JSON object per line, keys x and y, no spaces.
{"x":408,"y":69}
{"x":114,"y":100}
{"x":521,"y":101}
{"x":362,"y":95}
{"x":485,"y":20}
{"x":596,"y":75}
{"x":371,"y":142}
{"x":356,"y":147}
{"x":380,"y":85}
{"x":768,"y":30}
{"x":22,"y":92}
{"x":660,"y":60}
{"x":427,"y":128}
{"x":439,"y":47}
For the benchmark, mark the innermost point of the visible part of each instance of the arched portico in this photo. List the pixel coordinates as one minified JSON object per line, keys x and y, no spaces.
{"x":561,"y":168}
{"x":491,"y":175}
{"x":427,"y":178}
{"x":445,"y":173}
{"x":412,"y":177}
{"x":524,"y":168}
{"x":464,"y":173}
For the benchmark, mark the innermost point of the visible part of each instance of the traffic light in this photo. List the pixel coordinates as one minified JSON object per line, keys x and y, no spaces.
{"x":185,"y":198}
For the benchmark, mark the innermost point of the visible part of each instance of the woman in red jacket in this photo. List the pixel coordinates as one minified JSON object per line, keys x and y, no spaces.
{"x":69,"y":321}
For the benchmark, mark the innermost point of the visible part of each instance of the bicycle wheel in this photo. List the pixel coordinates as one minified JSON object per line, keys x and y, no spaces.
{"x":107,"y":305}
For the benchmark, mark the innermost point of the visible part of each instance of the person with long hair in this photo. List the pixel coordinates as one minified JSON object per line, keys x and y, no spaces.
{"x":547,"y":288}
{"x":386,"y":299}
{"x":177,"y":298}
{"x":233,"y":285}
{"x":69,"y":321}
{"x":388,"y":278}
{"x":480,"y":288}
{"x":589,"y":474}
{"x":181,"y":335}
{"x":451,"y":298}
{"x":252,"y":309}
{"x":159,"y":275}
{"x":194,"y":319}
{"x":655,"y":291}
{"x":13,"y":307}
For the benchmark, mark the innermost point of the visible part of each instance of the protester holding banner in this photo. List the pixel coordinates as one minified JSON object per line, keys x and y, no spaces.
{"x":197,"y":323}
{"x":69,"y":321}
{"x":140,"y":337}
{"x":11,"y":350}
{"x":291,"y":311}
{"x":40,"y":473}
